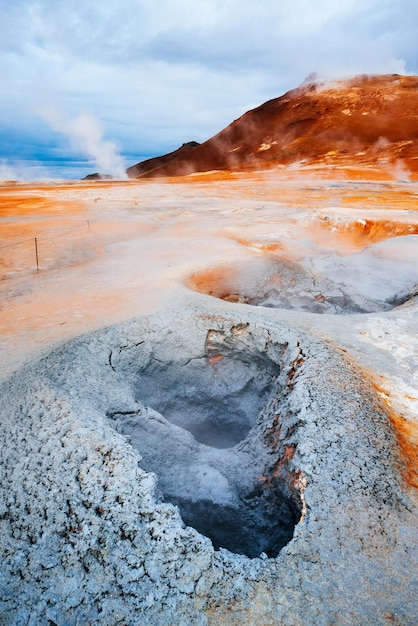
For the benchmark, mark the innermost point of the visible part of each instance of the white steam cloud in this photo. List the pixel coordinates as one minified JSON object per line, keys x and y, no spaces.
{"x":23,"y":171}
{"x":85,"y":133}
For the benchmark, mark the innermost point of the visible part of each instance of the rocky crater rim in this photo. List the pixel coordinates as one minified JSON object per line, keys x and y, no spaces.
{"x":111,"y":509}
{"x":279,"y":283}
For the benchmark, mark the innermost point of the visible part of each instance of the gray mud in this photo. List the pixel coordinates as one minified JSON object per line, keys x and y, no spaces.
{"x":193,"y":468}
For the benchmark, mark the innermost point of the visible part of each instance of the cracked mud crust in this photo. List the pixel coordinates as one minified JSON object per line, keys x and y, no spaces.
{"x":274,"y":450}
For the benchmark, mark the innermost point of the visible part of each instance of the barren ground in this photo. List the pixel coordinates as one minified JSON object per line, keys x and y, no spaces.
{"x":330,"y":251}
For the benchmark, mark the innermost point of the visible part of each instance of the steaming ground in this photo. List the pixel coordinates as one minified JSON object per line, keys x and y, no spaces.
{"x":283,"y":308}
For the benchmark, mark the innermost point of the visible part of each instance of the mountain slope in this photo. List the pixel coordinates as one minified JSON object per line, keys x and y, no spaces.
{"x":136,"y":171}
{"x":364,"y":120}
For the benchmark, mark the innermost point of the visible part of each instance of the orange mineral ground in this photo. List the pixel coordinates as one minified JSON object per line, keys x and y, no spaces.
{"x":78,"y":256}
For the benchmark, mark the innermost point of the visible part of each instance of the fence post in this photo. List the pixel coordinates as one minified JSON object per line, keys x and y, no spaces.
{"x":36,"y":252}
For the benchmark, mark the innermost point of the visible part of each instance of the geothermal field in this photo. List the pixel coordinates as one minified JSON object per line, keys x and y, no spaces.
{"x":209,"y":397}
{"x":241,"y":346}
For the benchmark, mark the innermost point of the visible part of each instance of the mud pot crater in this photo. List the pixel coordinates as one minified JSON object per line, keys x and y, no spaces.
{"x":279,"y":283}
{"x":199,"y":425}
{"x":184,"y":466}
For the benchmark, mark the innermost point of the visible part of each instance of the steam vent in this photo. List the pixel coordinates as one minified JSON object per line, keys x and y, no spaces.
{"x":201,"y":468}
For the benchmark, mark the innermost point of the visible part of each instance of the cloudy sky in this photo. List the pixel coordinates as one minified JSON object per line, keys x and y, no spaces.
{"x":89,"y":78}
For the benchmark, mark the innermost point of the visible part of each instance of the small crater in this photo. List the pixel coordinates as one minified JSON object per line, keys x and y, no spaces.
{"x":201,"y":426}
{"x":282,"y":284}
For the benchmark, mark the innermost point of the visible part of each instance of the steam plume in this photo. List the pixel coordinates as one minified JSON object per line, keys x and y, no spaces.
{"x":85,"y":132}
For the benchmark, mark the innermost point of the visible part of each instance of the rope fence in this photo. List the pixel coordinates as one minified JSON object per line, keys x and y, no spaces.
{"x":34,"y":241}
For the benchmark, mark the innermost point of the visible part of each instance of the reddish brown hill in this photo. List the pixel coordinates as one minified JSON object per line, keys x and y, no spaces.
{"x":138,"y":170}
{"x":364,"y":120}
